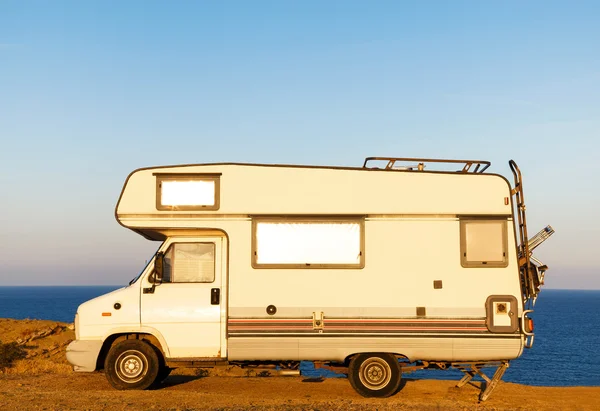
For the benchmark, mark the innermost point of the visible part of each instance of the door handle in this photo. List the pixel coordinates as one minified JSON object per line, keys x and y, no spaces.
{"x":215,"y":296}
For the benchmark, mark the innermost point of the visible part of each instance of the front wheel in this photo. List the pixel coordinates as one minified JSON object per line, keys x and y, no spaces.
{"x":375,"y":374}
{"x":163,"y":373}
{"x":131,"y":365}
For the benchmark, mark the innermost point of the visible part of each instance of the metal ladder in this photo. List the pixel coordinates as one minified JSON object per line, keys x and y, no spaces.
{"x":531,"y":274}
{"x":527,"y":283}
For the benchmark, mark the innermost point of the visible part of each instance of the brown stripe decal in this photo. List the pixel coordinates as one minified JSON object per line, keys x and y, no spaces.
{"x":346,"y":326}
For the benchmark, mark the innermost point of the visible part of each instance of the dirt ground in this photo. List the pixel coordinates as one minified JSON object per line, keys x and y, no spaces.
{"x":45,"y":382}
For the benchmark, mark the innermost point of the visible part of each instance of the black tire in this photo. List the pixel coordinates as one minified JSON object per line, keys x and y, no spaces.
{"x":375,"y":374}
{"x":163,"y":373}
{"x":131,"y":365}
{"x":163,"y":370}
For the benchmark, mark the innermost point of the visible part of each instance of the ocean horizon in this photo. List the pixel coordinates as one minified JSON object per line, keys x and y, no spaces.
{"x":567,"y":327}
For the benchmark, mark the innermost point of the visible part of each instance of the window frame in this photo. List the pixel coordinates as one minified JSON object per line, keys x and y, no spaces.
{"x":211,"y":177}
{"x":307,"y":220}
{"x":464,"y":262}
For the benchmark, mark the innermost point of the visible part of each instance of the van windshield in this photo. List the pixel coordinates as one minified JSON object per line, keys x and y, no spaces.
{"x":137,"y":277}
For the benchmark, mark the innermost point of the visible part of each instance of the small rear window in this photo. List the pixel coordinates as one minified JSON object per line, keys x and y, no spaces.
{"x":483,"y":243}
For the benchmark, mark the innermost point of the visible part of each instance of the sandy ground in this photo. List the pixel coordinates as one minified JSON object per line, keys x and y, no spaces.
{"x":180,"y":392}
{"x":34,"y":385}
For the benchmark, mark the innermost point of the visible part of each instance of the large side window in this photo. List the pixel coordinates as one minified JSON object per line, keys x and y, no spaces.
{"x":189,"y":263}
{"x":187,"y":191}
{"x":483,"y":243}
{"x":299,"y":243}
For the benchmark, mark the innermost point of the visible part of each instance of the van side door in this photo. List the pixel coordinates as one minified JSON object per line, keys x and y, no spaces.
{"x":187,"y":306}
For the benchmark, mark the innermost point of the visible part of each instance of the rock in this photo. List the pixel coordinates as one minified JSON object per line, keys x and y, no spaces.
{"x":40,"y":334}
{"x":36,"y":335}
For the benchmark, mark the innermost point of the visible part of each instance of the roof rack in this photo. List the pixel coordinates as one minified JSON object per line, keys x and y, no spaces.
{"x":398,"y":163}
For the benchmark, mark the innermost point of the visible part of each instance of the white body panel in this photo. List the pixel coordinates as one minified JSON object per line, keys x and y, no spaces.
{"x":284,"y":190}
{"x":96,"y":326}
{"x":410,"y":294}
{"x":419,"y":348}
{"x":398,"y":274}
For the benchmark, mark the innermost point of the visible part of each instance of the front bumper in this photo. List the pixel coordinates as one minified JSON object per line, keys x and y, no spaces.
{"x":83,"y":354}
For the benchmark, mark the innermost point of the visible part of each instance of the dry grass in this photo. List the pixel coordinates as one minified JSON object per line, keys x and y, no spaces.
{"x":9,"y":353}
{"x":45,"y":355}
{"x":33,"y":366}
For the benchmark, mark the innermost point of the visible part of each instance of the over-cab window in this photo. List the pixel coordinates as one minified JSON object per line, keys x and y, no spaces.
{"x":187,"y":191}
{"x":189,"y":263}
{"x":483,"y":243}
{"x":299,"y":243}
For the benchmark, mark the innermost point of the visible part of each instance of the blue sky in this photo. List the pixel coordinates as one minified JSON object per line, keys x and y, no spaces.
{"x":92,"y":90}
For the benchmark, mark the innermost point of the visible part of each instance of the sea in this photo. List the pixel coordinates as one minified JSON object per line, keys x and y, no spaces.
{"x":565,"y":351}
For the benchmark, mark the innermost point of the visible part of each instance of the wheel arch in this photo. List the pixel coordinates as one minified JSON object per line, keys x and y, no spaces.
{"x":351,"y":356}
{"x":115,"y":338}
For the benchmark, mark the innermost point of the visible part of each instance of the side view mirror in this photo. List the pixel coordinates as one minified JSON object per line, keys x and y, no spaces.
{"x":157,"y":274}
{"x":158,"y":268}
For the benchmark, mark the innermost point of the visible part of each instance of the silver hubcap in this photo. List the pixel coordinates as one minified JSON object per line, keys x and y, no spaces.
{"x":375,"y":373}
{"x":131,"y":366}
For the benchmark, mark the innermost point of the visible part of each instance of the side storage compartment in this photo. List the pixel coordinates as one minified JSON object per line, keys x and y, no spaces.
{"x":501,"y":314}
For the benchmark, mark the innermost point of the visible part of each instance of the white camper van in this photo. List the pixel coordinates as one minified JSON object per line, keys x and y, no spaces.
{"x":398,"y":265}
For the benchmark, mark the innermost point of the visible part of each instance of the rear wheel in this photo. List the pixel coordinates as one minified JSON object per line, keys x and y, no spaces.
{"x":375,"y":374}
{"x":132,"y":364}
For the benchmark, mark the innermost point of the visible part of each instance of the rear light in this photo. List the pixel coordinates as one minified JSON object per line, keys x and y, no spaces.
{"x":529,"y":325}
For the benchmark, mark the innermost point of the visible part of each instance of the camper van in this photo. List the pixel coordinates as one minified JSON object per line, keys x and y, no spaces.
{"x":373,"y":271}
